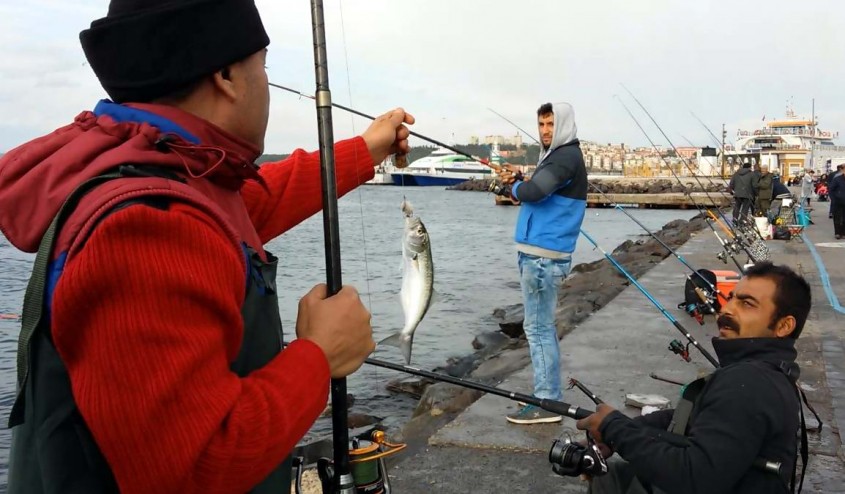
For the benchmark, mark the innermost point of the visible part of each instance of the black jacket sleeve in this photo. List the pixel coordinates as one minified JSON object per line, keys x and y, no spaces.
{"x":558,"y":169}
{"x":730,"y":426}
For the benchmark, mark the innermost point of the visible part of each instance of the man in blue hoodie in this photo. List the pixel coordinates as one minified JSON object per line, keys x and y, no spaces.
{"x":552,"y":208}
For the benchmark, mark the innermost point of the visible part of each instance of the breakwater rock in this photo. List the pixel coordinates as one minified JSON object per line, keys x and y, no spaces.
{"x":500,"y":353}
{"x":626,"y":185}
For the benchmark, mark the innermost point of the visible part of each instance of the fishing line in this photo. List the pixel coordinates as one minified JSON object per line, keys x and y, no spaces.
{"x":357,"y":172}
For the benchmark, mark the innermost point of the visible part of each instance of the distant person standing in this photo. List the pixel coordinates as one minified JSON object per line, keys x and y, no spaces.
{"x":742,"y":187}
{"x":839,"y":170}
{"x":763,"y":191}
{"x":837,"y":202}
{"x":807,"y":188}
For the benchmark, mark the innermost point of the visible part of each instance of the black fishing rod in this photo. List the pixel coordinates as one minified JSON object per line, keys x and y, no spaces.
{"x":553,"y":406}
{"x":726,"y":246}
{"x":338,"y":477}
{"x":683,"y":261}
{"x":361,"y":114}
{"x":675,"y":346}
{"x":575,"y":383}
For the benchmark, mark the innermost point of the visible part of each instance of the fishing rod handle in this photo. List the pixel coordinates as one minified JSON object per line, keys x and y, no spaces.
{"x":565,"y":409}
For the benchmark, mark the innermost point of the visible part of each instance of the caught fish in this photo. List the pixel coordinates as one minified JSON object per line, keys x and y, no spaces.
{"x":417,"y":280}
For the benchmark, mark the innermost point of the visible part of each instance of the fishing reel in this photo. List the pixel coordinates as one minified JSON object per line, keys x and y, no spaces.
{"x":678,"y":348}
{"x":570,"y":459}
{"x":366,"y":458}
{"x":499,"y":188}
{"x":694,"y":311}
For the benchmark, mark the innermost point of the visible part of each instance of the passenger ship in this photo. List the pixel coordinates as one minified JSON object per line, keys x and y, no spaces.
{"x":441,"y":168}
{"x":789,"y":145}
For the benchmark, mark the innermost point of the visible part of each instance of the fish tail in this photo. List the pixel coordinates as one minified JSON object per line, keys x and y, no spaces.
{"x":393,"y":340}
{"x":406,"y":348}
{"x":397,"y":340}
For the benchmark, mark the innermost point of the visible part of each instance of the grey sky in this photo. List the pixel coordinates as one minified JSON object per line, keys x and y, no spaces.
{"x":448,"y":61}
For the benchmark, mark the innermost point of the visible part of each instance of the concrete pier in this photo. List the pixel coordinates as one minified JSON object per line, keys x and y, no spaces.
{"x":613,"y":352}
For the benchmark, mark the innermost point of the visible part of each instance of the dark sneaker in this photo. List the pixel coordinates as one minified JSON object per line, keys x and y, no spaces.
{"x":530,"y":414}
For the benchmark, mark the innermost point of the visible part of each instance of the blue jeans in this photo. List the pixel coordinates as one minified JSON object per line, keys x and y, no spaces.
{"x":541,"y":279}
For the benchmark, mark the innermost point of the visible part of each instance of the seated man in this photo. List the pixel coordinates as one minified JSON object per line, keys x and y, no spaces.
{"x":745,"y":411}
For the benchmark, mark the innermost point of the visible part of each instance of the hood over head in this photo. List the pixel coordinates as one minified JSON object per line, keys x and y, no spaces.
{"x":565,"y":130}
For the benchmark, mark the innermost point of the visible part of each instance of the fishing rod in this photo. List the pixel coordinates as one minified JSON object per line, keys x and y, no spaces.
{"x":689,"y":168}
{"x":704,"y":298}
{"x":715,"y":139}
{"x":683,"y":160}
{"x":515,"y":125}
{"x":553,"y":406}
{"x":727,"y":247}
{"x":675,"y":345}
{"x":337,"y":476}
{"x":575,"y":383}
{"x":415,"y":134}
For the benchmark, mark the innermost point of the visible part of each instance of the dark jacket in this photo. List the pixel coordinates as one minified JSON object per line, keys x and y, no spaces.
{"x":743,"y":184}
{"x":748,"y":409}
{"x":836,"y":191}
{"x":763,"y":189}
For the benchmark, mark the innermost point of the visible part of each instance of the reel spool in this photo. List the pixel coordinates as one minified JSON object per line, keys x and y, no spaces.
{"x":366,"y":458}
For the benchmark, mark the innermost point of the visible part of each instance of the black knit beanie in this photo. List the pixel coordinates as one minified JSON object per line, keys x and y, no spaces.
{"x":145,"y":49}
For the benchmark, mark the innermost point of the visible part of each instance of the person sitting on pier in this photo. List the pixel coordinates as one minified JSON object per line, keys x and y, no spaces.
{"x":555,"y":200}
{"x":745,"y":413}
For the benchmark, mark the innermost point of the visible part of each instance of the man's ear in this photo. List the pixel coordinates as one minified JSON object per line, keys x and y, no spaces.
{"x":785,"y":326}
{"x":223,"y":82}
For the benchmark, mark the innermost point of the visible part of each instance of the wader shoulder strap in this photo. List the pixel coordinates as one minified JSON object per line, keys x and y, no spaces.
{"x":33,"y":301}
{"x":785,"y":369}
{"x":682,"y":413}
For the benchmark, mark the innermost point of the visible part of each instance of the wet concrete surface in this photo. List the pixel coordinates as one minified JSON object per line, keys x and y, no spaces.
{"x":613,"y":352}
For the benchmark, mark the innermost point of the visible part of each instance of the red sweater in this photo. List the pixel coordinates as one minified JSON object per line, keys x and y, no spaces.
{"x":150,"y":371}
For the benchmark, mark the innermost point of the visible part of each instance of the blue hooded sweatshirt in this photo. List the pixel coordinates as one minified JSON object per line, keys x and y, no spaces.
{"x":555,"y":199}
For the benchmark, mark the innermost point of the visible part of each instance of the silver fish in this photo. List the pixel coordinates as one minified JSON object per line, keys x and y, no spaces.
{"x":417,"y":280}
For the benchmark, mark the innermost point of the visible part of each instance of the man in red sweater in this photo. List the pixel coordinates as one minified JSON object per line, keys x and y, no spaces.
{"x":150,"y":357}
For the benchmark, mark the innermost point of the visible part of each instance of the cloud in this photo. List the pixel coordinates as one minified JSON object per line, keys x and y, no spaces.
{"x":448,"y":61}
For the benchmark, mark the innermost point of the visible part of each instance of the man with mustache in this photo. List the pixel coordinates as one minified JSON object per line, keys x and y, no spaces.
{"x":745,"y":411}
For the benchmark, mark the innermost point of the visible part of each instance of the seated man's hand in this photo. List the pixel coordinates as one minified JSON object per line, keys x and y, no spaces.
{"x":591,"y":424}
